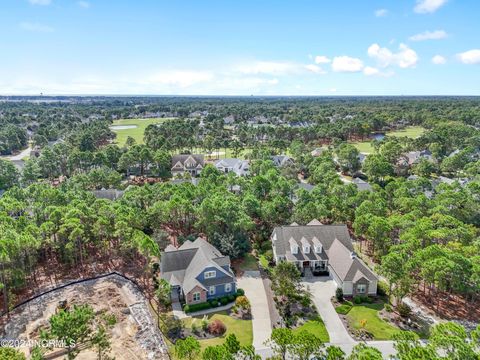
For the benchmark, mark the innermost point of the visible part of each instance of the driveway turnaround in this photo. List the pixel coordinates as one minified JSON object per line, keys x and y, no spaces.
{"x":322,"y":290}
{"x":252,"y":283}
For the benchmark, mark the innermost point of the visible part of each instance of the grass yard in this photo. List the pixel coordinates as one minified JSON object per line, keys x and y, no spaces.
{"x":410,"y":132}
{"x":241,"y":328}
{"x":315,"y":327}
{"x":380,"y":329}
{"x":249,"y":263}
{"x":221,"y":153}
{"x":136,"y":132}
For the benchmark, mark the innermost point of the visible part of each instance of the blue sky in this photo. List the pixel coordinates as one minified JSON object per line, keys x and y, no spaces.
{"x":243,"y":47}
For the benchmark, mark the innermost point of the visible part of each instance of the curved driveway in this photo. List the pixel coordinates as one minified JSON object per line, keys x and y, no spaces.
{"x":252,"y":283}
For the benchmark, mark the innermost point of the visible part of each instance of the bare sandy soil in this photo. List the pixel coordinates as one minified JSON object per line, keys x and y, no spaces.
{"x":134,"y":336}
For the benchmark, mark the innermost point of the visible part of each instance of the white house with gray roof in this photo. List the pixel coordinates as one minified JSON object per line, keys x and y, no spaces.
{"x":324,"y":248}
{"x":238,"y":166}
{"x":197,"y":272}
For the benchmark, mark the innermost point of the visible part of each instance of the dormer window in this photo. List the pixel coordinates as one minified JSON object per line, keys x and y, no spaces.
{"x":305,"y":245}
{"x":317,"y":245}
{"x":294,"y":249}
{"x":293,"y":246}
{"x":209,"y":274}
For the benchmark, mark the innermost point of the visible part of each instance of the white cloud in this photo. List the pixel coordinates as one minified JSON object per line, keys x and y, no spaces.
{"x":429,"y":35}
{"x":320,"y":59}
{"x":372,"y":71}
{"x":404,"y":58}
{"x":40,"y":2}
{"x":84,"y":4}
{"x":346,"y":64}
{"x":333,"y":90}
{"x":381,"y":12}
{"x":315,"y":69}
{"x":35,"y":27}
{"x":439,"y":60}
{"x":428,"y":6}
{"x":470,"y":57}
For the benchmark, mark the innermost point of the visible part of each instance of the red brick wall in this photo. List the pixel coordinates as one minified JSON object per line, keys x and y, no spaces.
{"x":203,"y":295}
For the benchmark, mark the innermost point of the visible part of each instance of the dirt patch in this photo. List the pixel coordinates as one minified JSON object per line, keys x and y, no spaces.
{"x":134,"y":336}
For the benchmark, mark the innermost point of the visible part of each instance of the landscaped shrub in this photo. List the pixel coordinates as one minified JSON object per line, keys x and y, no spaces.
{"x":388,"y":308}
{"x":242,"y":302}
{"x":224,"y":300}
{"x":382,"y":288}
{"x":216,"y":327}
{"x":196,"y":307}
{"x":343,"y":309}
{"x":404,"y":310}
{"x":240,"y":292}
{"x":339,"y":294}
{"x":357,"y":300}
{"x":213,"y":303}
{"x":231,"y":298}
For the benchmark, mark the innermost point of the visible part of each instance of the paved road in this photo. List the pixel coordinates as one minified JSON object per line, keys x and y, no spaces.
{"x":322,"y":290}
{"x":19,"y":156}
{"x":252,"y":283}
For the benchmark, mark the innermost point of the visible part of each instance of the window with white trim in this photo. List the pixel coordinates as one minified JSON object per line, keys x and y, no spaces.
{"x":196,"y":296}
{"x":228,"y":287}
{"x":361,"y":288}
{"x":210,"y":274}
{"x":211,"y":290}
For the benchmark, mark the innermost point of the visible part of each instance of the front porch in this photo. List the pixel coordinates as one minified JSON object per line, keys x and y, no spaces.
{"x":315,"y":267}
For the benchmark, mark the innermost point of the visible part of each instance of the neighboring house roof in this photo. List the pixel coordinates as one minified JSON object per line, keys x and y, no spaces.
{"x":336,"y":244}
{"x":362,"y":157}
{"x":238,"y":166}
{"x":110,"y":194}
{"x":362,"y":185}
{"x":317,"y":151}
{"x":415,"y":156}
{"x":193,"y":181}
{"x":182,"y":266}
{"x":187,"y":161}
{"x":282,"y":160}
{"x":305,"y":186}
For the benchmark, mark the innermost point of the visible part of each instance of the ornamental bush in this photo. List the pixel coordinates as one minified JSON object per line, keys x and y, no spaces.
{"x":216,"y":327}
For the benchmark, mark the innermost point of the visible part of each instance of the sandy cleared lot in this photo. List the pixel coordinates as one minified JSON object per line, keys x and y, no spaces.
{"x":134,"y":336}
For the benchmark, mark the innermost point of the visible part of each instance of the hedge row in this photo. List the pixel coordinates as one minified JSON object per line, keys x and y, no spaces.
{"x":224,"y":300}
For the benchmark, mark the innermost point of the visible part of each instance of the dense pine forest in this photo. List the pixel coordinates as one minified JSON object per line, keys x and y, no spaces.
{"x":419,"y":226}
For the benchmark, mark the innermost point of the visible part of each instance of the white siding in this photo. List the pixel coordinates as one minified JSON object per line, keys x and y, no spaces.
{"x":347,"y":288}
{"x":335,"y":277}
{"x":372,"y":287}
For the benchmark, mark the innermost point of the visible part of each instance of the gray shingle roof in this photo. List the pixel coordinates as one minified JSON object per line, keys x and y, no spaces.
{"x":362,"y":185}
{"x":336,"y":243}
{"x":183,"y":266}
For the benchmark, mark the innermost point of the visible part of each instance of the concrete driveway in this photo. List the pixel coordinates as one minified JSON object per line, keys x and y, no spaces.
{"x":322,"y":290}
{"x":252,"y":283}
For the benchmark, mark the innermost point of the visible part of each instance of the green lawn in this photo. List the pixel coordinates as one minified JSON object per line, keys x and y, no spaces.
{"x":137,"y":132}
{"x":241,"y":328}
{"x":410,"y":131}
{"x":263,"y":261}
{"x":222,"y":154}
{"x":315,"y":327}
{"x":249,"y":263}
{"x":380,"y":329}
